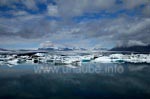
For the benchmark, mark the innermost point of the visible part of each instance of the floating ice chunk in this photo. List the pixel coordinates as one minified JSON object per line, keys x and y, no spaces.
{"x":39,"y":54}
{"x":119,"y":56}
{"x":13,"y":62}
{"x":103,"y":59}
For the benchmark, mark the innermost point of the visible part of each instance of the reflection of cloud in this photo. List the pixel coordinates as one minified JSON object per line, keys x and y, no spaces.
{"x":136,"y":68}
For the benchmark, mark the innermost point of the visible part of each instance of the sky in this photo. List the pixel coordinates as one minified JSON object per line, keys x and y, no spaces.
{"x":74,"y":23}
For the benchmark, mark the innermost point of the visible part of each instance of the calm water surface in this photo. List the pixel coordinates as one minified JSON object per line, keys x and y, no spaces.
{"x":91,"y":80}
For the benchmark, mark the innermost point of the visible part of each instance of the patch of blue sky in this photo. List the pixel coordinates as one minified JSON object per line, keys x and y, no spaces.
{"x":107,"y":15}
{"x":95,"y":16}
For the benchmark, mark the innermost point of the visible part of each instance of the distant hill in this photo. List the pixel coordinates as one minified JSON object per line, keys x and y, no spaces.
{"x":1,"y":49}
{"x":62,"y":49}
{"x":133,"y":49}
{"x":55,"y":49}
{"x":100,"y":49}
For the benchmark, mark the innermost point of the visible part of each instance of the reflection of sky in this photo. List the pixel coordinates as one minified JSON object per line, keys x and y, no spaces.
{"x":85,"y":68}
{"x":29,"y":85}
{"x":102,"y":23}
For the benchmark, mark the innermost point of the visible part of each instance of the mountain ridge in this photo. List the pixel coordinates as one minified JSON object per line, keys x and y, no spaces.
{"x":136,"y":48}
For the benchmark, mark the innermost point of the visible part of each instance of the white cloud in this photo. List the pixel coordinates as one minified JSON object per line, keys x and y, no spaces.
{"x":47,"y":44}
{"x":30,"y":4}
{"x":20,"y":13}
{"x":135,"y":42}
{"x":53,"y":10}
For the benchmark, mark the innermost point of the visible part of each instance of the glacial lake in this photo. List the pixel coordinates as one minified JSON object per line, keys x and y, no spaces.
{"x":90,"y":80}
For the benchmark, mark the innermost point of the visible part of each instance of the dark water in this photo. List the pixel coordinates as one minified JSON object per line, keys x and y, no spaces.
{"x":43,"y":81}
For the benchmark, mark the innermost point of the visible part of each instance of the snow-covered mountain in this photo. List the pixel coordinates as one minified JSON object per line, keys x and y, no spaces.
{"x":62,"y":49}
{"x":56,"y":49}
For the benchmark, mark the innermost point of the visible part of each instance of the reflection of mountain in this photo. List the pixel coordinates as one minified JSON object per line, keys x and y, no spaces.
{"x":133,"y":48}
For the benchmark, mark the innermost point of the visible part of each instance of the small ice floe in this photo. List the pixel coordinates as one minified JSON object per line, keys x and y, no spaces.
{"x":87,"y":58}
{"x":103,"y":59}
{"x":114,"y":58}
{"x":32,"y":60}
{"x":1,"y":63}
{"x":137,"y":58}
{"x":40,"y":54}
{"x":67,"y":60}
{"x":117,"y":58}
{"x":12,"y":62}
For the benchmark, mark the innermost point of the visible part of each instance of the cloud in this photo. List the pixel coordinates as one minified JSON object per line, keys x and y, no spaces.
{"x":130,"y":4}
{"x":134,"y":42}
{"x":146,"y":11}
{"x":7,"y":2}
{"x":122,"y":30}
{"x":32,"y":27}
{"x":144,"y":6}
{"x":71,"y":8}
{"x":53,"y":10}
{"x":30,"y":4}
{"x":99,"y":22}
{"x":47,"y":44}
